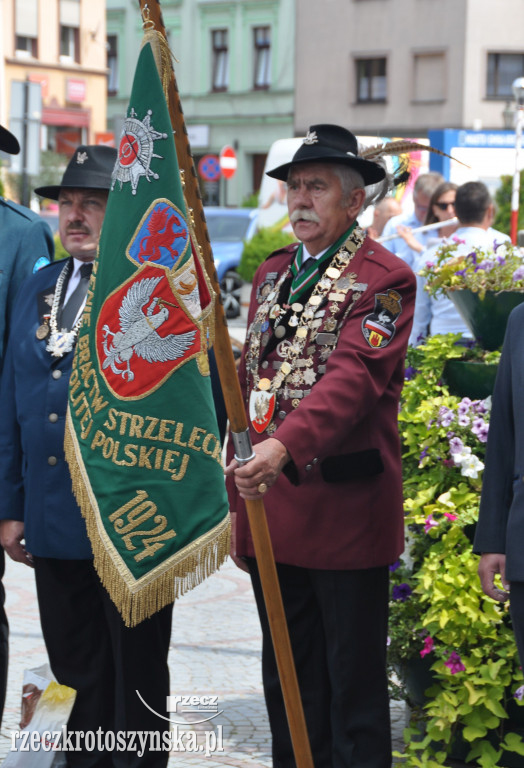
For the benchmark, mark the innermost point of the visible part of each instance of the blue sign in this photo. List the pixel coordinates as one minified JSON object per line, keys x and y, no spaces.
{"x":209,"y":168}
{"x":449,"y":138}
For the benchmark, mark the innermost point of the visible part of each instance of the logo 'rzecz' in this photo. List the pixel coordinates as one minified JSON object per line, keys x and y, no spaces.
{"x":136,"y":150}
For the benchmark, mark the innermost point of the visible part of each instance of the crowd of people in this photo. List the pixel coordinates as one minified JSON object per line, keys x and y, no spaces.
{"x":322,"y":370}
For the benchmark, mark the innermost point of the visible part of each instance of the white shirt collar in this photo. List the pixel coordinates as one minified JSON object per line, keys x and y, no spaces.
{"x":306,"y":254}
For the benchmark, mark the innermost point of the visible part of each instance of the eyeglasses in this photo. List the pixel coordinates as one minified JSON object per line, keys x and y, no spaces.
{"x":444,"y":206}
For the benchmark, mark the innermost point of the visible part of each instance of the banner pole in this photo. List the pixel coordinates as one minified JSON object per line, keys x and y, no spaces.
{"x":238,"y":423}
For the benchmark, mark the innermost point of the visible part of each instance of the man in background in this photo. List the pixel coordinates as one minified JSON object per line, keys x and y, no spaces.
{"x":26,"y":244}
{"x":424,"y":187}
{"x":382,"y":213}
{"x":90,"y":649}
{"x":438,"y":314}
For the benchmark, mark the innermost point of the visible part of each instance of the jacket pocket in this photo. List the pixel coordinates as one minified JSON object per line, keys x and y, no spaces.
{"x":352,"y":466}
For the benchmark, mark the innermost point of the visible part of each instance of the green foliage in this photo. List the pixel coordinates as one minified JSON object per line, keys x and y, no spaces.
{"x":250,"y":201}
{"x":503,"y":200}
{"x":476,"y":270}
{"x":439,"y":615}
{"x":258,"y":249}
{"x":60,"y":251}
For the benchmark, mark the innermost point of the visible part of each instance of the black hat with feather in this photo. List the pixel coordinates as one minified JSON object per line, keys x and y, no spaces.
{"x":331,"y":144}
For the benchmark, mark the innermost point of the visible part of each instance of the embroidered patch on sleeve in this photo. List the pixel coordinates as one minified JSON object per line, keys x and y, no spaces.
{"x":266,"y":286}
{"x":379,"y":327}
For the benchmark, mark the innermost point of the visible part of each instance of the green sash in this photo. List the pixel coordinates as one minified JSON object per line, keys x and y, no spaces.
{"x":303,"y":280}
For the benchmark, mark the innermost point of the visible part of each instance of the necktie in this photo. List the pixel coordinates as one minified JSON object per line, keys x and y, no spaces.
{"x":70,"y":310}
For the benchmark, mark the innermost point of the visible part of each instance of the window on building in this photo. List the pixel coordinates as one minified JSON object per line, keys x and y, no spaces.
{"x":69,"y":43}
{"x":112,"y":64}
{"x":371,"y":80}
{"x":69,"y":30}
{"x":262,"y":66}
{"x":26,"y":28}
{"x":220,"y":73}
{"x":503,"y":69}
{"x":429,"y":77}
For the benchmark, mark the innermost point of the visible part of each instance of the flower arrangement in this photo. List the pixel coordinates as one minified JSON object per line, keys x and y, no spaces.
{"x":439,"y":618}
{"x":456,"y":268}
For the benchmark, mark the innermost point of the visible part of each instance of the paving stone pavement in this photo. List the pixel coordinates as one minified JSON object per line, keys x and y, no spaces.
{"x":215,"y":650}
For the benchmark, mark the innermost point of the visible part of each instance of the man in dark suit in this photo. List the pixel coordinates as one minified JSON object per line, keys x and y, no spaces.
{"x":26,"y":245}
{"x":322,"y":373}
{"x":90,"y":649}
{"x":500,"y":529}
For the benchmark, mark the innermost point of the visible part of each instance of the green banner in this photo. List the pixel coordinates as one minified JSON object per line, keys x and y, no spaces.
{"x":141,"y":438}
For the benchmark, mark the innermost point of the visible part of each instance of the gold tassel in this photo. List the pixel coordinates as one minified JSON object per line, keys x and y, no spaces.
{"x":161,"y":51}
{"x":192,"y":566}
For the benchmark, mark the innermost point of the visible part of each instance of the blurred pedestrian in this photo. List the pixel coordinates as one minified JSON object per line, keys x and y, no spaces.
{"x":438,"y":314}
{"x":441,"y":208}
{"x":383,"y":211}
{"x":500,"y":527}
{"x":26,"y":244}
{"x":424,"y":187}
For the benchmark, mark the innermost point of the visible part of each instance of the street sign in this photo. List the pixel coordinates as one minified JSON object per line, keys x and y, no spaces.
{"x":228,"y":162}
{"x":24,"y":122}
{"x":209,"y":168}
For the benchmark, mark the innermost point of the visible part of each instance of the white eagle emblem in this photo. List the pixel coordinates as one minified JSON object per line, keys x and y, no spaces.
{"x":138,"y":331}
{"x":311,"y":138}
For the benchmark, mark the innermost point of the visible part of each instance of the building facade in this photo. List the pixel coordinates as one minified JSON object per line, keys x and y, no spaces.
{"x":403,"y":67}
{"x":60,"y":45}
{"x":235,"y":72}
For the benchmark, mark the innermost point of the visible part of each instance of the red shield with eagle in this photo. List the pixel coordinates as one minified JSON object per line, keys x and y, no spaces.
{"x":143,"y":334}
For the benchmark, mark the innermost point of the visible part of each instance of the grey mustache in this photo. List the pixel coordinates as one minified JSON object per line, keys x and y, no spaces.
{"x":305,"y":214}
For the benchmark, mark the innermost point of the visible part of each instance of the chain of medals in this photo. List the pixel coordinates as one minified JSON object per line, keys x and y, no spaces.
{"x":303,"y":319}
{"x":60,"y":341}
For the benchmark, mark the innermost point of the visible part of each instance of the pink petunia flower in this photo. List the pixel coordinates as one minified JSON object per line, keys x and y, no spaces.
{"x":430,"y":523}
{"x":428,"y":646}
{"x":454,"y":663}
{"x":451,"y":516}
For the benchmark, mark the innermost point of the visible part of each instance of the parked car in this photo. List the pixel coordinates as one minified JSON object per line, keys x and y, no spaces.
{"x":228,"y":228}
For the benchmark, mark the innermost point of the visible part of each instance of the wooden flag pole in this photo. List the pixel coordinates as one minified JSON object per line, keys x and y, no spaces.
{"x":238,"y":424}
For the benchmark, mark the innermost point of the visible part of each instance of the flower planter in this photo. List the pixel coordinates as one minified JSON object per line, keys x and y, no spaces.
{"x":418,"y":677}
{"x":467,"y":378}
{"x":487,"y":317}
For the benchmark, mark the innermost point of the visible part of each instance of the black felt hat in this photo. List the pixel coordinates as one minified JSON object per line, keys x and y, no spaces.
{"x":331,"y":144}
{"x":89,"y":168}
{"x":8,"y":142}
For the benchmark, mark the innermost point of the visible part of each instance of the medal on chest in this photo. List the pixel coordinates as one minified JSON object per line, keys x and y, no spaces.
{"x":296,"y":368}
{"x":59,"y":340}
{"x":261,"y":409}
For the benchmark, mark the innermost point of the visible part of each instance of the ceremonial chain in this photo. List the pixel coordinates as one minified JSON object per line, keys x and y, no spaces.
{"x":306,"y":319}
{"x":60,"y":342}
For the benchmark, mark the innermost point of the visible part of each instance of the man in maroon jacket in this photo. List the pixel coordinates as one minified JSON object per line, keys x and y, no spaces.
{"x":322,"y":373}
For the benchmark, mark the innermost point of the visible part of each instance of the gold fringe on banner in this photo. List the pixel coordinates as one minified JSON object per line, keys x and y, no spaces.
{"x":161,"y":51}
{"x":138,"y":600}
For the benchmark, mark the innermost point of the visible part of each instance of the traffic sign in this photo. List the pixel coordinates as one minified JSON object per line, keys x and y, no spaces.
{"x":228,"y":162}
{"x":209,"y":168}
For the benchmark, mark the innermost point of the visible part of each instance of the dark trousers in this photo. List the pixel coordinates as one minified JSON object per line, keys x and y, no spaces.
{"x":516,"y":607}
{"x":91,"y":650}
{"x":4,"y":638}
{"x":337,"y":624}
